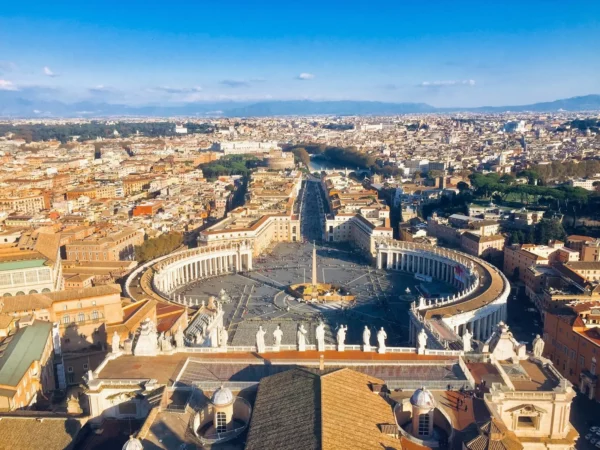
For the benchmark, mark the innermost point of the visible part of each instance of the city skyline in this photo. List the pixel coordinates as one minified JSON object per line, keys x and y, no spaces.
{"x":463,"y":55}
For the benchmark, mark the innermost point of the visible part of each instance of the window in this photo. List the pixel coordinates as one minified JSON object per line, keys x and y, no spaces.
{"x":70,"y":369}
{"x":85,"y":367}
{"x":94,"y":315}
{"x":581,"y":361}
{"x":80,"y":317}
{"x":423,"y":424}
{"x":221,"y":422}
{"x":593,"y":367}
{"x":526,"y":422}
{"x":66,"y":319}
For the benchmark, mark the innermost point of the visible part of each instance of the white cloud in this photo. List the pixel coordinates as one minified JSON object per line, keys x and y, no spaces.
{"x":6,"y":85}
{"x":49,"y":73}
{"x":443,"y":83}
{"x":174,"y":90}
{"x":305,"y":76}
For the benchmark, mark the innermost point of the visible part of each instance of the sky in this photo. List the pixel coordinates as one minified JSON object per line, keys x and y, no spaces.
{"x":444,"y":53}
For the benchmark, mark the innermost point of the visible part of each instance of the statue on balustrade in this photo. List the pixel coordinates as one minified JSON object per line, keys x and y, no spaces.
{"x":422,"y":341}
{"x":277,"y":336}
{"x":260,"y":340}
{"x":320,"y":335}
{"x":381,"y":337}
{"x":301,"y":334}
{"x":341,"y":337}
{"x":366,"y":339}
{"x":538,"y":346}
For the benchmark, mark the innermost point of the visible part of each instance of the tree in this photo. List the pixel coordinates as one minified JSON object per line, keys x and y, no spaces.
{"x":462,"y":186}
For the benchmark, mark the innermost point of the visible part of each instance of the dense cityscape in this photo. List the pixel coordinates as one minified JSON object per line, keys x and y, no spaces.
{"x":448,"y":263}
{"x":316,"y":225}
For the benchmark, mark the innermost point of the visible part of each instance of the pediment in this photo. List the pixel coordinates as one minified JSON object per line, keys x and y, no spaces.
{"x":527,"y":409}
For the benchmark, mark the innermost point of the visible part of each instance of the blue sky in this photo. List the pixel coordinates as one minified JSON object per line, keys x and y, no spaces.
{"x":446,"y":53}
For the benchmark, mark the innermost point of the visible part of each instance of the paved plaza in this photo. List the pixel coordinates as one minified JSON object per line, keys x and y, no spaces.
{"x":259,"y":297}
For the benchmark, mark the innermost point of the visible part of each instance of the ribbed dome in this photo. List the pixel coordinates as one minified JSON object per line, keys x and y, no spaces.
{"x":222,"y":397}
{"x":133,"y":444}
{"x":422,"y":398}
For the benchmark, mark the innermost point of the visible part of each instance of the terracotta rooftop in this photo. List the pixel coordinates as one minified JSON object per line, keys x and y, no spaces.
{"x":331,"y":411}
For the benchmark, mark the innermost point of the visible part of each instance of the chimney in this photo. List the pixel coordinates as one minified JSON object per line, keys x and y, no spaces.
{"x":321,"y":362}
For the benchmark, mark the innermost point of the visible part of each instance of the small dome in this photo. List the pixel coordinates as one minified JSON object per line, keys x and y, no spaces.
{"x":222,"y":397}
{"x":422,"y":398}
{"x":133,"y":444}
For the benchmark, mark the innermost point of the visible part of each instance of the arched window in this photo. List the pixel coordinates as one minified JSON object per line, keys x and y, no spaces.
{"x":45,"y":290}
{"x":7,"y":294}
{"x":33,"y":291}
{"x":20,"y":293}
{"x":221,"y":422}
{"x":424,"y":424}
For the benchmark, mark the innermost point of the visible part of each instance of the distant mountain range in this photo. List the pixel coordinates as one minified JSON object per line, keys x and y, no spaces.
{"x":14,"y":105}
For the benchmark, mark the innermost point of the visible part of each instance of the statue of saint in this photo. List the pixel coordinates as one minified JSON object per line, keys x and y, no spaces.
{"x":179,"y":339}
{"x":116,"y":342}
{"x":301,"y":338}
{"x":538,"y":346}
{"x":467,"y":336}
{"x":381,"y":337}
{"x":277,"y":336}
{"x":260,"y":340}
{"x":367,"y":339}
{"x":223,"y":338}
{"x":341,"y":337}
{"x":422,"y":340}
{"x":320,"y":335}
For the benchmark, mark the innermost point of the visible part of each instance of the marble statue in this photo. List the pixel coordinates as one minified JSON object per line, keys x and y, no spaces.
{"x":367,"y":339}
{"x":116,"y":342}
{"x":467,"y":345}
{"x":277,"y":336}
{"x":381,"y":337}
{"x":179,"y":339}
{"x":301,"y":338}
{"x":341,"y":337}
{"x":147,"y":341}
{"x":260,"y":340}
{"x":538,"y":346}
{"x":165,"y":343}
{"x":422,"y":340}
{"x":223,"y":337}
{"x":214,"y":337}
{"x":198,"y":338}
{"x":320,"y":335}
{"x":211,"y":302}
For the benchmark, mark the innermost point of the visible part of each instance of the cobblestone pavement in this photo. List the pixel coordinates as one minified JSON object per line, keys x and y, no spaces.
{"x":259,"y":297}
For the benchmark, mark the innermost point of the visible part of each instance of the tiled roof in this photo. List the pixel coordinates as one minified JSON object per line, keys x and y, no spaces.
{"x":300,"y":409}
{"x":20,"y":433}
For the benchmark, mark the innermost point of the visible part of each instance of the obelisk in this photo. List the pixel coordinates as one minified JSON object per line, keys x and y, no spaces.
{"x":314,"y":266}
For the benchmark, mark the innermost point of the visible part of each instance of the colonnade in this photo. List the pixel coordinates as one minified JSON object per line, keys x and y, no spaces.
{"x":428,"y":264}
{"x":472,"y":278}
{"x":200,"y":263}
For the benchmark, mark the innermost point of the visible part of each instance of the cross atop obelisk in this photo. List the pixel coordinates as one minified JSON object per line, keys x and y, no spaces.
{"x":314,"y":265}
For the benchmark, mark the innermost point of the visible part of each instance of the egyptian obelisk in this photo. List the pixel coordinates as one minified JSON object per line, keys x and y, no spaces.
{"x":314,"y":265}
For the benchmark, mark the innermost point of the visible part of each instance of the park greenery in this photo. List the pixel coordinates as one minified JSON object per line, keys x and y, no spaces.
{"x":540,"y":233}
{"x":347,"y":156}
{"x":96,"y":129}
{"x":229,"y":165}
{"x":159,"y":246}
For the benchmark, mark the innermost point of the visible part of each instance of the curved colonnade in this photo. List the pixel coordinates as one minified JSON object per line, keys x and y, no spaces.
{"x":478,"y":306}
{"x":198,"y":263}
